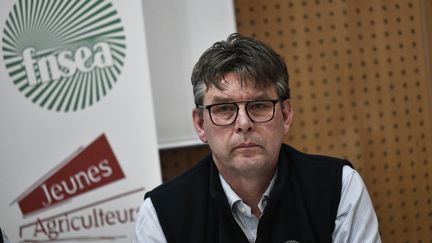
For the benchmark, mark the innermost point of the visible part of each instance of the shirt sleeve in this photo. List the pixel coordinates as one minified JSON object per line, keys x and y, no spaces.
{"x":147,"y":227}
{"x":356,"y":220}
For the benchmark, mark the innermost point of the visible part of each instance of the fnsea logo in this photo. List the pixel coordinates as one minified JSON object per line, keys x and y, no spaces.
{"x":64,"y":55}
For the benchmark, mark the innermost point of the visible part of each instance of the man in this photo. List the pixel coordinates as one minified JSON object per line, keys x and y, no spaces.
{"x":252,"y":187}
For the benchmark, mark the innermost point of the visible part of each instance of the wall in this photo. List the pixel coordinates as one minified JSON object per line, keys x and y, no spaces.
{"x":361,"y":85}
{"x":177,"y":32}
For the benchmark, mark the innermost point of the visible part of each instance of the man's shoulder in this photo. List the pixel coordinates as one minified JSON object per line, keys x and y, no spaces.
{"x":195,"y":176}
{"x":316,"y":160}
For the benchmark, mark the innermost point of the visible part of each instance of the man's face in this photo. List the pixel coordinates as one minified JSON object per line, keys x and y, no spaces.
{"x":245,"y":147}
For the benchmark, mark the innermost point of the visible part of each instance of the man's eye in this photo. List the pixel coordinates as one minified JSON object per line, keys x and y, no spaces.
{"x":259,"y":106}
{"x":224,"y":108}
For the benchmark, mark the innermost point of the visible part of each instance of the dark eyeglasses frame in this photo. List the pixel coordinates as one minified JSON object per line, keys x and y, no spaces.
{"x":247,"y":102}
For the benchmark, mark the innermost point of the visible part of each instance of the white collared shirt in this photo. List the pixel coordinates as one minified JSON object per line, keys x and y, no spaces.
{"x":242,"y":212}
{"x":356,"y":220}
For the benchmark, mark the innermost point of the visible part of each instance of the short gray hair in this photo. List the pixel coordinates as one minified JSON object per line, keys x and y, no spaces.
{"x":244,"y":56}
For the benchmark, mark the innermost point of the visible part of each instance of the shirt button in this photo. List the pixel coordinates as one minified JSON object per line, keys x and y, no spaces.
{"x":242,"y":210}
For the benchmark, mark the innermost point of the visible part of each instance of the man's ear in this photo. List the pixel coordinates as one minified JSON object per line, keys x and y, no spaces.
{"x":288,"y":114}
{"x":197,"y":118}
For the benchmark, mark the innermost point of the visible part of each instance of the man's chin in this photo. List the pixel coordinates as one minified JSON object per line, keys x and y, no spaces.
{"x":248,"y":152}
{"x":248,"y":164}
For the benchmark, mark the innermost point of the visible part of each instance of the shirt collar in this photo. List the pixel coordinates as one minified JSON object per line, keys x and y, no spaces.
{"x":233,"y":198}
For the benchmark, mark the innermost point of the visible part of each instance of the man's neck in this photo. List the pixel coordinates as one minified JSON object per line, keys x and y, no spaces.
{"x":249,"y":189}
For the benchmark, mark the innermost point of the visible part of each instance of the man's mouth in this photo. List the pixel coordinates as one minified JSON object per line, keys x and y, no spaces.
{"x":246,"y":145}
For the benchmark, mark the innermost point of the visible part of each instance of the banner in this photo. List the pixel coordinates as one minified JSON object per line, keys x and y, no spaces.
{"x":78,"y":146}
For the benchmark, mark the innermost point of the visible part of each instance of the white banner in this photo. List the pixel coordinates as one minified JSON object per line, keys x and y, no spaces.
{"x":78,"y":146}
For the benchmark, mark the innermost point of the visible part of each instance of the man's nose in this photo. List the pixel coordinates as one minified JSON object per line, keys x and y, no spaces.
{"x":243,"y":123}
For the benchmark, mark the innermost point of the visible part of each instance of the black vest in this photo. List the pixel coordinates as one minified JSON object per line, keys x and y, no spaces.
{"x":302,"y":205}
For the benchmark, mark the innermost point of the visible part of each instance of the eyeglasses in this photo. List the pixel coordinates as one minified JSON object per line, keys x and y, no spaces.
{"x":223,"y":114}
